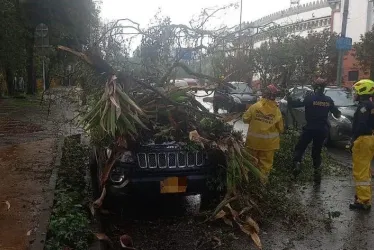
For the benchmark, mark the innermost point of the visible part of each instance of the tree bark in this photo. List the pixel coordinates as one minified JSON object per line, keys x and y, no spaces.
{"x":31,"y":78}
{"x":372,"y":71}
{"x":9,"y":80}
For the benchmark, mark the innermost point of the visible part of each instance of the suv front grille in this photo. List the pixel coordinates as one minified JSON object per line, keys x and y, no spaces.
{"x":170,"y":160}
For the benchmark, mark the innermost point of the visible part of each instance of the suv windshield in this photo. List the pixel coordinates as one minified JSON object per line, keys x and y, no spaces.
{"x":240,"y":87}
{"x":341,"y":98}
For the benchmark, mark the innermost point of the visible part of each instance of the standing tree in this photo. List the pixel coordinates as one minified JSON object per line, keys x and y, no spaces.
{"x":12,"y":54}
{"x":70,"y":23}
{"x":365,"y":52}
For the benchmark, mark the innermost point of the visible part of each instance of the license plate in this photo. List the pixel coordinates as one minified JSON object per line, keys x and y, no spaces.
{"x":173,"y":185}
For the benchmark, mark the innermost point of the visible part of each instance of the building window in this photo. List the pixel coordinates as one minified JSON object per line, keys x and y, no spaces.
{"x":353,"y":76}
{"x":325,"y":22}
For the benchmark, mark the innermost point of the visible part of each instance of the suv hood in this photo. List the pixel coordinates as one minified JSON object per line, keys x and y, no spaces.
{"x":348,"y":111}
{"x":245,"y":96}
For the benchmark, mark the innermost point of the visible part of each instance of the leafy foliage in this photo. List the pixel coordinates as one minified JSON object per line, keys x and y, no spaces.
{"x":70,"y":224}
{"x":172,"y":113}
{"x":364,"y":51}
{"x":294,"y":59}
{"x":12,"y":38}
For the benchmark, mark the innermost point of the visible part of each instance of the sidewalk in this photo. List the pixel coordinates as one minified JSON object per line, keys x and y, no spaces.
{"x":29,"y":134}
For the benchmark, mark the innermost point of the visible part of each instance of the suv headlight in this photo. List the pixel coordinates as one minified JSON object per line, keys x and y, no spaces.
{"x":236,"y":100}
{"x":127,"y":157}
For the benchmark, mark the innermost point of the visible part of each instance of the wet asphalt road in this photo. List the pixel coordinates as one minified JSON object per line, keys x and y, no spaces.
{"x":165,"y":223}
{"x":345,"y":229}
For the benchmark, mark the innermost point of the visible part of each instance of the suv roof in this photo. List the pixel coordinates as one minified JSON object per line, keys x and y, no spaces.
{"x":327,"y":87}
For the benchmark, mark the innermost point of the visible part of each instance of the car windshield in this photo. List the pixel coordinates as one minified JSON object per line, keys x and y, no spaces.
{"x":341,"y":98}
{"x":240,"y":87}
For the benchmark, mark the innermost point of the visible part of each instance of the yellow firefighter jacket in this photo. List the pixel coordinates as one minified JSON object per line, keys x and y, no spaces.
{"x":265,"y":124}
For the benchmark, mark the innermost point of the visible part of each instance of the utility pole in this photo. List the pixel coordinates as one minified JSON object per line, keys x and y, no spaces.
{"x":341,"y":52}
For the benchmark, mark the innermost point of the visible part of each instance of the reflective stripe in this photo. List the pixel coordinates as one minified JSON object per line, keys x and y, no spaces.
{"x":268,"y":136}
{"x":363,"y":183}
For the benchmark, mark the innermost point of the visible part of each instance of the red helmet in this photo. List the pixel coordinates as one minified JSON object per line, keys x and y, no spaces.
{"x":320,"y":82}
{"x":271,"y":92}
{"x":272,"y":89}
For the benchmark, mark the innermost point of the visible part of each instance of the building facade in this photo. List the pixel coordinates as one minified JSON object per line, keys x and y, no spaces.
{"x":317,"y":16}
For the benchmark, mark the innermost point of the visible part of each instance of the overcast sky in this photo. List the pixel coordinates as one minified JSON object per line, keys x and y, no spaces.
{"x":181,"y":11}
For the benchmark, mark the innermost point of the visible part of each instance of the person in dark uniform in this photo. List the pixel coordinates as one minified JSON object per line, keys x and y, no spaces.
{"x":362,"y":146}
{"x":317,"y":107}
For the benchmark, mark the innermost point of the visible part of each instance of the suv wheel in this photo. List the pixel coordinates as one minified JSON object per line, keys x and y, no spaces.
{"x":328,"y":141}
{"x":209,"y":200}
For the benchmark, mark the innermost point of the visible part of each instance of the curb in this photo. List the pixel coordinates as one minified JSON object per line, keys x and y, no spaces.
{"x":96,"y":218}
{"x":42,"y":229}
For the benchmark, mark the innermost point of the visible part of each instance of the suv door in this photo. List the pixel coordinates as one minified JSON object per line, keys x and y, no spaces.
{"x":299,"y":93}
{"x":220,"y":97}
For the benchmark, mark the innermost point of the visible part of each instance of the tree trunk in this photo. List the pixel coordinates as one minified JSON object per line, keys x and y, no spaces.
{"x":9,"y":80}
{"x":47,"y":78}
{"x":31,"y":79}
{"x":372,"y":72}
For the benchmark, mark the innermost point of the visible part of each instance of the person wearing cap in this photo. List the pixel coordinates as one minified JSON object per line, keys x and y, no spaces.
{"x":317,"y":107}
{"x":362,"y":146}
{"x":265,"y":125}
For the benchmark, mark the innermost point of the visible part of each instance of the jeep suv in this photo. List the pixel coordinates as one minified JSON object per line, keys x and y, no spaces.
{"x":154,"y":169}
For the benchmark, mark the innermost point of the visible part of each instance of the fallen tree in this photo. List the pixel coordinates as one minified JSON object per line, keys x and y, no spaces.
{"x":128,"y":109}
{"x":122,"y":121}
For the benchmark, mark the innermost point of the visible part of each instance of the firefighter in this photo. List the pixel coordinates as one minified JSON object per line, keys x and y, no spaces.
{"x":362,"y":146}
{"x":317,"y":107}
{"x":265,"y":124}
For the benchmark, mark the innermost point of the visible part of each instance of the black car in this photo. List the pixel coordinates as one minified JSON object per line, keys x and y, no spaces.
{"x":340,"y":128}
{"x":233,"y":97}
{"x":154,"y":169}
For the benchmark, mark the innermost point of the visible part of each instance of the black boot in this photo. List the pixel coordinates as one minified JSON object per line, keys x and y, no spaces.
{"x":317,"y":174}
{"x":296,"y":169}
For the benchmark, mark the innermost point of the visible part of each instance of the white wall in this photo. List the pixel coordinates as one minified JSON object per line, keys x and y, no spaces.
{"x":326,"y":11}
{"x":357,"y":18}
{"x":337,"y":22}
{"x":360,"y":19}
{"x":301,"y":33}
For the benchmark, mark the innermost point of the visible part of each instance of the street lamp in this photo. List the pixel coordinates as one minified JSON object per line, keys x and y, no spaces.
{"x":240,"y":22}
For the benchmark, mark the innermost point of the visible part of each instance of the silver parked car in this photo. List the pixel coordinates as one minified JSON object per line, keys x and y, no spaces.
{"x":340,"y":128}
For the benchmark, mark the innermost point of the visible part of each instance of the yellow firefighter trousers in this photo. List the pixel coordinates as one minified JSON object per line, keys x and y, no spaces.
{"x":264,"y":160}
{"x":362,"y":154}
